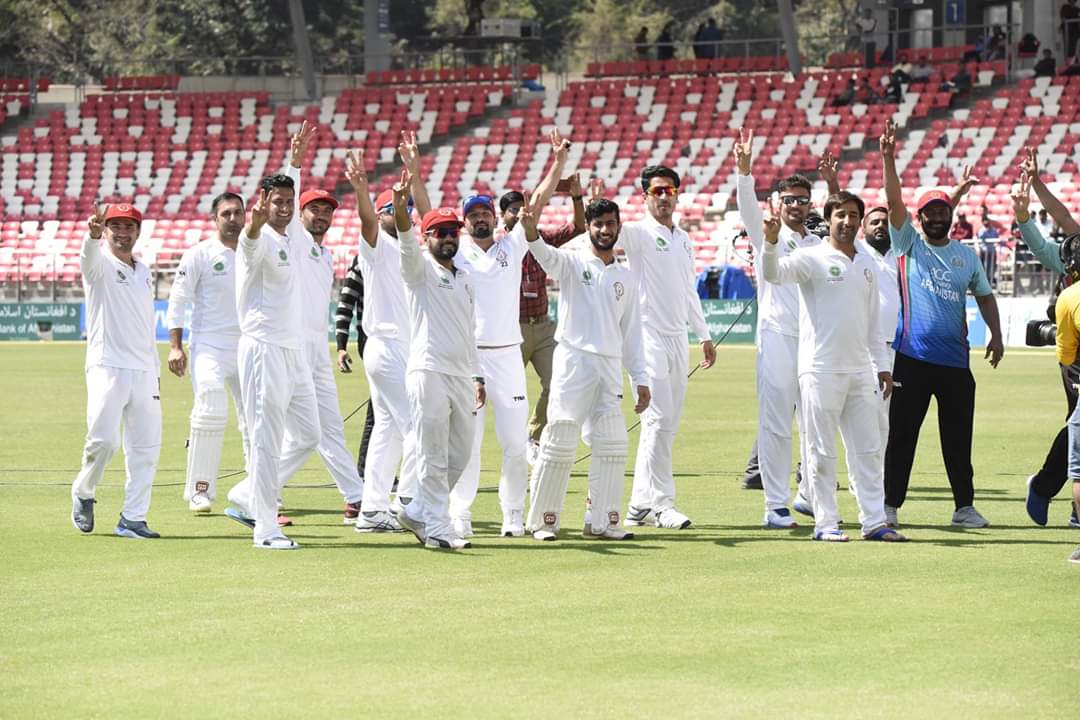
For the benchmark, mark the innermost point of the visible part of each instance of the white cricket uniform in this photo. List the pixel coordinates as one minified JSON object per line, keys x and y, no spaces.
{"x":839,"y":345}
{"x":496,"y":275}
{"x":122,"y":382}
{"x":599,"y":328}
{"x":385,"y":320}
{"x":275,"y":377}
{"x":885,"y":271}
{"x":663,"y":259}
{"x":442,"y":363}
{"x":777,"y":352}
{"x":316,"y":277}
{"x":206,"y":280}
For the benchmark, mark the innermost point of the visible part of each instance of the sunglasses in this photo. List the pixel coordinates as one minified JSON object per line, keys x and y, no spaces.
{"x":388,"y":208}
{"x":445,"y":232}
{"x":795,"y":200}
{"x":662,"y":191}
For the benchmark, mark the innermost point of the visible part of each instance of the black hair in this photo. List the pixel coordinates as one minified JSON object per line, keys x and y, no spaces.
{"x":509,"y":199}
{"x":599,"y":207}
{"x":270,"y":182}
{"x":658,"y":171}
{"x":225,"y":197}
{"x":794,"y":181}
{"x":837,"y":199}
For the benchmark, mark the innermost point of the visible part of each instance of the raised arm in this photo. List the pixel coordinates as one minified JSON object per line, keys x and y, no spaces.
{"x":560,"y":148}
{"x":1045,"y":251}
{"x":298,"y":150}
{"x":967,"y":181}
{"x":556,"y":263}
{"x":1057,"y":210}
{"x":897,"y":212}
{"x":745,"y":196}
{"x":794,"y":268}
{"x":356,"y":174}
{"x":828,"y":168}
{"x":412,"y":259}
{"x":410,"y":156}
{"x":250,"y":242}
{"x":579,"y":204}
{"x":90,"y":256}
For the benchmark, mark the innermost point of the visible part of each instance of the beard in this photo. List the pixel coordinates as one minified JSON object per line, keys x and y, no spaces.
{"x":481,"y":232}
{"x":445,"y":250}
{"x":936,"y":230}
{"x":879,"y":241}
{"x":601,"y":244}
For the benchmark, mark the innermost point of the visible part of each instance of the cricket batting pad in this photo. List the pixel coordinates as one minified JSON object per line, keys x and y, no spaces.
{"x":208,"y":419}
{"x":608,"y":469}
{"x":551,"y":474}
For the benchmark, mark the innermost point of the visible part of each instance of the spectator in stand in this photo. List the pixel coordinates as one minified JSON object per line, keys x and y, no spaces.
{"x":641,"y":43}
{"x":962,"y":229}
{"x":846,"y":96}
{"x":711,"y":36}
{"x":1070,"y":25}
{"x":474,"y":12}
{"x":995,"y":44}
{"x":665,"y":43}
{"x":699,"y":42}
{"x":894,"y":93}
{"x":960,"y":84}
{"x":989,"y":235}
{"x":922,"y":72}
{"x":903,"y":69}
{"x":1047,"y":66}
{"x":1074,"y":63}
{"x":866,"y":93}
{"x":1029,"y":45}
{"x":1047,"y":226}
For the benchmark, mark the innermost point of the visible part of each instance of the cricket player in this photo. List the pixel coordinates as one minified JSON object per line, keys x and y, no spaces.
{"x":206,"y":280}
{"x":122,"y":383}
{"x":777,"y":332}
{"x":316,"y":272}
{"x":661,"y":255}
{"x":445,"y":387}
{"x":840,"y":345}
{"x":385,"y":320}
{"x":275,"y":378}
{"x":494,"y":267}
{"x":599,"y":326}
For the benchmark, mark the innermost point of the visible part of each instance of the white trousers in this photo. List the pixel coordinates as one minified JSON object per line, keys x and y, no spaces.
{"x":585,"y":388}
{"x":443,"y":408}
{"x":335,"y":455}
{"x":115,"y":397}
{"x":883,"y":409}
{"x":850,"y":403}
{"x":393,"y":437}
{"x":666,"y":358}
{"x":778,"y":401}
{"x":504,"y":377}
{"x":214,"y":371}
{"x":277,"y":391}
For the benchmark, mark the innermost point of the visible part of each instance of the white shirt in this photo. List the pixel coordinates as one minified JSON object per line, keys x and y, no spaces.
{"x":839,"y":316}
{"x":778,"y":305}
{"x":268,"y":300}
{"x":441,"y":313}
{"x":206,"y":279}
{"x":888,"y":289}
{"x":316,"y":283}
{"x":386,"y":313}
{"x":599,"y":309}
{"x":496,"y":274}
{"x":120,"y":327}
{"x":663,"y":260}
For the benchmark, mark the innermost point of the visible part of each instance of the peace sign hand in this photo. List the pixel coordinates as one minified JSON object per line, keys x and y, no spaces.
{"x":300,"y":142}
{"x":887,"y":142}
{"x":96,"y":222}
{"x":772,"y":225}
{"x":1021,"y":198}
{"x":355,"y":172}
{"x":744,"y":151}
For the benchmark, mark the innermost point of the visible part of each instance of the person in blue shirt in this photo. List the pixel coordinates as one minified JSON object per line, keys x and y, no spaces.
{"x":932,"y":351}
{"x":1052,"y":476}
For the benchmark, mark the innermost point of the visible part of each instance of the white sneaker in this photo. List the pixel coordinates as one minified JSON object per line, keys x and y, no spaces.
{"x":611,"y":532}
{"x":416,"y":527}
{"x":454,"y":543}
{"x":378,"y":521}
{"x":779,"y":519}
{"x":545,"y":534}
{"x":199,"y":503}
{"x":532,"y":452}
{"x":640,"y":516}
{"x":969,"y":517}
{"x":672,"y":519}
{"x":513,"y":524}
{"x":462,"y":527}
{"x":278,"y":542}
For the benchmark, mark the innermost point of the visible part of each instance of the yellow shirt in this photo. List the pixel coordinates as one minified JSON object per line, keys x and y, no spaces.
{"x":1067,"y":310}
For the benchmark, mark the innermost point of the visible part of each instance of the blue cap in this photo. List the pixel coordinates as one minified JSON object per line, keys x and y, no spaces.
{"x":476,"y":200}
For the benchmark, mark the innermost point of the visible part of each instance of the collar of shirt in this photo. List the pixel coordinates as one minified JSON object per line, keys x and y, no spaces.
{"x":801,"y":240}
{"x":655,"y":225}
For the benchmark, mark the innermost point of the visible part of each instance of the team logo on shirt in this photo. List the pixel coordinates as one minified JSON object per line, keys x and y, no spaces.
{"x":956,"y":261}
{"x":619,"y":290}
{"x":791,"y":244}
{"x":613,"y":517}
{"x":551,"y":518}
{"x":868,"y":275}
{"x":500,"y":257}
{"x":284,"y":257}
{"x":121,"y":277}
{"x":314,"y":251}
{"x":835,"y":274}
{"x":835,"y":271}
{"x":219,"y":267}
{"x":661,"y":244}
{"x":586,"y":278}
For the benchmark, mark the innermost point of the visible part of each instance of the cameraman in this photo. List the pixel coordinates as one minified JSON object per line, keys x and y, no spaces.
{"x":1067,"y":311}
{"x":1051,"y":477}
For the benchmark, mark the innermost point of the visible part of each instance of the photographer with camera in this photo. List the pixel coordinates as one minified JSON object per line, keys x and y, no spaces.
{"x":1051,"y":477}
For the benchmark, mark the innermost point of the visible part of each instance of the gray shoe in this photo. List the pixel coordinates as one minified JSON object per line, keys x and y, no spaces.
{"x":377,"y":521}
{"x":890,"y":517}
{"x":82,"y":514}
{"x":137,"y":529}
{"x":416,"y":527}
{"x":969,"y":517}
{"x":1075,"y":557}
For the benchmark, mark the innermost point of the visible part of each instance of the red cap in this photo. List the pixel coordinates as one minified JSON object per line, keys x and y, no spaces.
{"x":123,"y":210}
{"x":313,"y":195}
{"x":440,"y":216}
{"x":386,"y":197}
{"x":933,"y":196}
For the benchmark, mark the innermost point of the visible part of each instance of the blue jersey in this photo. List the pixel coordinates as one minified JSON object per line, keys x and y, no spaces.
{"x":934,"y":281}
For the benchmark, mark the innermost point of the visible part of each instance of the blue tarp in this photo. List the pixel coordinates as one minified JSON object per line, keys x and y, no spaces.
{"x":732,"y":283}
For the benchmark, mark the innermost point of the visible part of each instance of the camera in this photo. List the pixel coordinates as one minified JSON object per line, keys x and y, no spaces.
{"x":1040,"y":333}
{"x":816,"y":225}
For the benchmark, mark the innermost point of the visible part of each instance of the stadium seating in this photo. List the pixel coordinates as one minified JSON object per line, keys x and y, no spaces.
{"x":431,"y":76}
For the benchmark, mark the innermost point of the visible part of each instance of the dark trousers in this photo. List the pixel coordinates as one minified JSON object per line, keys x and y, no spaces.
{"x":954,"y":390}
{"x":369,"y":420}
{"x":1054,"y":472}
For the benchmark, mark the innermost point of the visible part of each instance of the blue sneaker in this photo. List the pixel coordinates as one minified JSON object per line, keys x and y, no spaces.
{"x":137,"y":529}
{"x":802,"y":505}
{"x":1038,"y":507}
{"x":240,"y":517}
{"x":779,"y":519}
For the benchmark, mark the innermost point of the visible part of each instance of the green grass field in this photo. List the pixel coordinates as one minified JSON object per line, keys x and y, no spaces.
{"x":723,"y":620}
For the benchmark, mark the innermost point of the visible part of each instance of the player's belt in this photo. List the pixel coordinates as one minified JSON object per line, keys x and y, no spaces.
{"x":535,"y":319}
